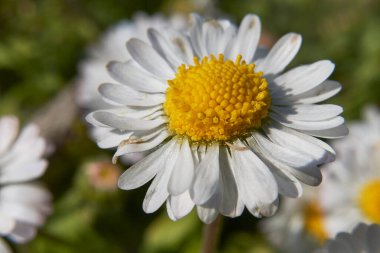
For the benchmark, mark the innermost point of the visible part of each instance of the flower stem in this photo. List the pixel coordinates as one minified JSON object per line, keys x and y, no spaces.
{"x":211,"y":234}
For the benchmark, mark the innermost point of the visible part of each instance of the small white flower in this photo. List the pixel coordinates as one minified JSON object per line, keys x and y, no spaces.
{"x":92,"y":70}
{"x":231,"y":129}
{"x":350,"y":193}
{"x":363,"y":239}
{"x":23,"y":206}
{"x":298,"y":226}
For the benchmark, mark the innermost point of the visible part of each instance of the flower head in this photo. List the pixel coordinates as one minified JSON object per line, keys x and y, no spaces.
{"x":23,"y":205}
{"x":299,"y":225}
{"x":229,"y":127}
{"x":350,"y":193}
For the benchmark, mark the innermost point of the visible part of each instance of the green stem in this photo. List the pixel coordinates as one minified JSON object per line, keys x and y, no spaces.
{"x":211,"y":234}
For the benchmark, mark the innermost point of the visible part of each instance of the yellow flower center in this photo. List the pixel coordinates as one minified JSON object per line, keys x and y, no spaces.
{"x":216,"y":100}
{"x":314,"y":222}
{"x":369,"y":201}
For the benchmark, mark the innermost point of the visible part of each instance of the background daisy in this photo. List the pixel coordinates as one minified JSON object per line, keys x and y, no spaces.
{"x":23,"y":206}
{"x":363,"y":239}
{"x":350,"y":193}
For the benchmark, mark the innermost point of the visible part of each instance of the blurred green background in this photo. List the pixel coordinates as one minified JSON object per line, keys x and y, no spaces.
{"x":41,"y":43}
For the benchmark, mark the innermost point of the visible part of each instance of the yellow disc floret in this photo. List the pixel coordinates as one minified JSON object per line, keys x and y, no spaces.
{"x":314,"y":222}
{"x":369,"y":201}
{"x":216,"y":100}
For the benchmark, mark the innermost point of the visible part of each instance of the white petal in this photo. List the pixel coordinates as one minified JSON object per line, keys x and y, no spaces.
{"x":303,"y":78}
{"x":23,"y":171}
{"x":288,"y":185}
{"x":180,"y":205}
{"x":183,"y":172}
{"x":300,"y":142}
{"x":157,"y":192}
{"x":325,"y":90}
{"x":23,"y":232}
{"x":122,"y":95}
{"x":227,"y":186}
{"x":373,"y":237}
{"x":149,"y":59}
{"x":196,"y":35}
{"x":206,"y":176}
{"x":112,"y":139}
{"x":213,"y":34}
{"x":26,"y":193}
{"x":308,"y":175}
{"x":284,"y":155}
{"x":256,"y":184}
{"x":142,"y":144}
{"x":331,"y":133}
{"x":309,"y":125}
{"x":6,"y":224}
{"x":125,"y":123}
{"x":281,"y":54}
{"x":9,"y":127}
{"x":308,"y":112}
{"x":130,"y":74}
{"x":247,"y":38}
{"x":174,"y":47}
{"x":143,"y":171}
{"x":207,"y":215}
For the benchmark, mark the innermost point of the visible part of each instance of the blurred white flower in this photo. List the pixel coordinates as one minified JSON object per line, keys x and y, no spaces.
{"x":231,"y":129}
{"x":351,"y":190}
{"x":363,"y":239}
{"x":299,"y":225}
{"x":23,"y":206}
{"x":110,"y":47}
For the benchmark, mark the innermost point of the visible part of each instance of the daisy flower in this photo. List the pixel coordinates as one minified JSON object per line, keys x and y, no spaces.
{"x":363,"y":239}
{"x":350,"y":193}
{"x":23,"y":205}
{"x":299,"y":224}
{"x":229,"y":128}
{"x":111,"y":46}
{"x":92,"y":71}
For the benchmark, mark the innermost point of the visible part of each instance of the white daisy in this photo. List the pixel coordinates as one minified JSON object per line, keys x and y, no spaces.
{"x":230,"y":130}
{"x":23,"y":206}
{"x":111,"y":46}
{"x":298,"y":226}
{"x":350,"y":193}
{"x":92,"y":70}
{"x":363,"y":239}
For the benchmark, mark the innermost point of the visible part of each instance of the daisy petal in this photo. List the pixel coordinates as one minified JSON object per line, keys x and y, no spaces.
{"x":308,"y":112}
{"x":180,"y":205}
{"x":21,"y":172}
{"x":206,"y":177}
{"x":142,"y":144}
{"x":331,"y":133}
{"x":324,"y":91}
{"x":157,"y":192}
{"x":247,"y":38}
{"x":207,"y":215}
{"x":228,"y":188}
{"x":303,"y":78}
{"x":124,"y":123}
{"x":122,"y":95}
{"x":257,"y":185}
{"x":149,"y":59}
{"x":8,"y":131}
{"x":144,"y":170}
{"x":183,"y":172}
{"x":281,"y":54}
{"x":130,"y":74}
